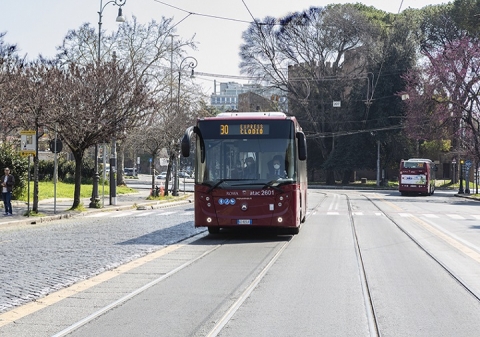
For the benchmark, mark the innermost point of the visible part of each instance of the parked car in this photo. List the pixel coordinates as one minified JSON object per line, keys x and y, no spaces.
{"x":162,"y":175}
{"x":130,"y":171}
{"x":183,"y":174}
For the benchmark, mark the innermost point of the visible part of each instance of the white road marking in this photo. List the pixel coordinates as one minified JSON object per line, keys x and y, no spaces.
{"x":455,"y":216}
{"x":97,"y":215}
{"x":166,"y":213}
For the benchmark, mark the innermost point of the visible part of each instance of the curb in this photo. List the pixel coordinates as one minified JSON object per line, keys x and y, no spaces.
{"x":36,"y":220}
{"x":71,"y":214}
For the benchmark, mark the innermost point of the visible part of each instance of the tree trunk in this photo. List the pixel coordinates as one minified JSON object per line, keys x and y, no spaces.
{"x":35,"y":171}
{"x":346,"y":177}
{"x":120,"y":164}
{"x":78,"y":155}
{"x":171,"y":158}
{"x":330,"y":177}
{"x":35,"y":184}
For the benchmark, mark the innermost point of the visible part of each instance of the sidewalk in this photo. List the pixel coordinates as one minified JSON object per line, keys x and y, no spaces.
{"x":50,"y":210}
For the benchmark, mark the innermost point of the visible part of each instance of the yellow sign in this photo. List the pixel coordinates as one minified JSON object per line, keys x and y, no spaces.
{"x":28,"y":143}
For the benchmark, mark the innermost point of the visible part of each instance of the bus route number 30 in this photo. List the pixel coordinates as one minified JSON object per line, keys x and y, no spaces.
{"x":224,"y":129}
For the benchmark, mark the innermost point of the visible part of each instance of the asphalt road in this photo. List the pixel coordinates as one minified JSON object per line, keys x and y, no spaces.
{"x":365,"y":263}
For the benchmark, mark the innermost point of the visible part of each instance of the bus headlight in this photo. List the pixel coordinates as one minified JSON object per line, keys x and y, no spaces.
{"x":209,"y":220}
{"x":280,"y":219}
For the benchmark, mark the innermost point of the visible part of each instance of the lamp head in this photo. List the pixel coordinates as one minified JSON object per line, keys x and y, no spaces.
{"x":120,"y":17}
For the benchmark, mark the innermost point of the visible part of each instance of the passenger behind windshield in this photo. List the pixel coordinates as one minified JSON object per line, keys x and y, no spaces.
{"x":250,"y":171}
{"x":237,"y":172}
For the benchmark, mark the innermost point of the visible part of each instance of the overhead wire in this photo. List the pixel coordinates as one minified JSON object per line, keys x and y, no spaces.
{"x":205,"y":15}
{"x":218,"y":17}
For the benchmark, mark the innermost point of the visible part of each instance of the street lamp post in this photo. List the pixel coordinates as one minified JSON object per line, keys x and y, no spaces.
{"x":454,"y":175}
{"x":191,"y":63}
{"x":94,"y":201}
{"x":460,"y":167}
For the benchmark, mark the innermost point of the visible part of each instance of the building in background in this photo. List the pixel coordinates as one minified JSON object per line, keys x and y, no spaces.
{"x":259,"y":98}
{"x":250,"y":101}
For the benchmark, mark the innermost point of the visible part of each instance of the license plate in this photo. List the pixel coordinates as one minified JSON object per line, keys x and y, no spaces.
{"x":244,"y":222}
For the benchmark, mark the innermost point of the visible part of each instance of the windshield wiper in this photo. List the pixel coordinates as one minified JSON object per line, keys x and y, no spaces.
{"x":216,"y":185}
{"x":270,"y":184}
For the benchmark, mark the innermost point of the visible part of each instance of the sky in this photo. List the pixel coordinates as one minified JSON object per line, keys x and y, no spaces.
{"x":39,"y":26}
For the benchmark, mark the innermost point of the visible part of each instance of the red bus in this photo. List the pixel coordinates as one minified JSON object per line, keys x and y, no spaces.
{"x":417,"y":176}
{"x":250,"y":170}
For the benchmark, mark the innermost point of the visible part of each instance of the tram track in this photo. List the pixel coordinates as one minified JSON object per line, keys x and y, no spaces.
{"x":369,"y":301}
{"x":369,"y":304}
{"x":450,"y":272}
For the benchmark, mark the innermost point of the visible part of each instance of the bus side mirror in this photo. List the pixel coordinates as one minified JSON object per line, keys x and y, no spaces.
{"x":187,"y":142}
{"x":302,"y":146}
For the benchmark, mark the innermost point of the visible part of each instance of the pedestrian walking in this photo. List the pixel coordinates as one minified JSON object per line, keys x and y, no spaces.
{"x":7,"y":181}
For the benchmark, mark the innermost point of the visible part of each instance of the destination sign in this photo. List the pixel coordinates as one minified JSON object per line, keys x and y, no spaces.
{"x":244,"y":129}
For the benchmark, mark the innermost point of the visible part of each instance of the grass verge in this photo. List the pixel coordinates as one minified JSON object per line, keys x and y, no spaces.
{"x":46,"y":190}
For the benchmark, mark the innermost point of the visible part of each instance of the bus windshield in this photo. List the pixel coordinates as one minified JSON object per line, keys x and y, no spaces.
{"x":414,"y":164}
{"x":255,"y":159}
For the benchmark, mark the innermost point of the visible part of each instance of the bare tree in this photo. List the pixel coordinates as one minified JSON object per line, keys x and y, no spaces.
{"x":10,"y":62}
{"x":151,"y":141}
{"x":92,"y":103}
{"x":316,"y":57}
{"x":31,"y":86}
{"x":145,"y":50}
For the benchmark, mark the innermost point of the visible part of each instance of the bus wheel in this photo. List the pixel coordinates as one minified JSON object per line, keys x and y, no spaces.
{"x":213,"y":229}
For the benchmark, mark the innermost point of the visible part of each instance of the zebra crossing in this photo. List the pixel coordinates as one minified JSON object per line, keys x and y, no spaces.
{"x":452,"y":216}
{"x":137,"y":213}
{"x":160,"y":212}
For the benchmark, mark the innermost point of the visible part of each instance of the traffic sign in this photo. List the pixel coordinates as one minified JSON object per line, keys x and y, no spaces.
{"x":28,"y":142}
